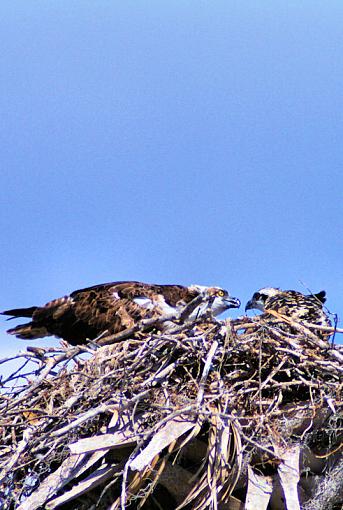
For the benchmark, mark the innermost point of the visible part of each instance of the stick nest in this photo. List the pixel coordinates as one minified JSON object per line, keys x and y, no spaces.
{"x":188,"y":417}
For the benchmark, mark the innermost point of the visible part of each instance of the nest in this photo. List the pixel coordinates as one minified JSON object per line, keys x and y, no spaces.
{"x":234,"y":414}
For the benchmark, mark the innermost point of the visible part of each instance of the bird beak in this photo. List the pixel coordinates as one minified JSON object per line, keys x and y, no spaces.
{"x":255,"y":304}
{"x":232,"y":302}
{"x":250,"y":305}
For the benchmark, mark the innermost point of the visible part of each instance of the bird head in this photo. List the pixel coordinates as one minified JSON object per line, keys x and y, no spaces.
{"x":217,"y":299}
{"x":260,"y":297}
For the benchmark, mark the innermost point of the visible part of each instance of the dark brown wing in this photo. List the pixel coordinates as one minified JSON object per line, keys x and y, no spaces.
{"x":173,"y":294}
{"x":108,"y":307}
{"x":88,"y":312}
{"x":111,"y":307}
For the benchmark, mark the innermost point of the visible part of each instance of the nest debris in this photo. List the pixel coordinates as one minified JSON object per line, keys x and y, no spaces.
{"x":243,"y":413}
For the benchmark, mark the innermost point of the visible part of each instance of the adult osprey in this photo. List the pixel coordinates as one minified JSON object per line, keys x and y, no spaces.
{"x":114,"y":307}
{"x":295,"y":305}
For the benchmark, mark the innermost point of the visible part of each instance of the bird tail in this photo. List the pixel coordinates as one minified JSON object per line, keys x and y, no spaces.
{"x":20,"y":312}
{"x":28,"y":331}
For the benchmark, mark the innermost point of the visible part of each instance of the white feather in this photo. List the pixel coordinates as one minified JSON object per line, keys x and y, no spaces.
{"x":144,"y":302}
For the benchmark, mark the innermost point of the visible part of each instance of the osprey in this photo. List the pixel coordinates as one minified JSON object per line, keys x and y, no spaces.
{"x":114,"y":307}
{"x":295,"y":305}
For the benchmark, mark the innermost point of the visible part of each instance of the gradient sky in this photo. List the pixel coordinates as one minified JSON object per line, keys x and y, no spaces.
{"x":170,"y":142}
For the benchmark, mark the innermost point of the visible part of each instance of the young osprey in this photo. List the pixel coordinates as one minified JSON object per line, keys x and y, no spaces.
{"x":114,"y":307}
{"x":295,"y":305}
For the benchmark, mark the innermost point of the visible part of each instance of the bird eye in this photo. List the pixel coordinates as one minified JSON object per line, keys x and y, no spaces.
{"x":220,"y":293}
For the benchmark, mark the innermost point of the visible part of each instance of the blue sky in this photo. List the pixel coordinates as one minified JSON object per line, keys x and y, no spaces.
{"x":170,"y":142}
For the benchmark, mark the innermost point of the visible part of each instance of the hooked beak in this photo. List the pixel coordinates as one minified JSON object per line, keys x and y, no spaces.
{"x":250,"y":305}
{"x":255,"y":304}
{"x":232,"y":302}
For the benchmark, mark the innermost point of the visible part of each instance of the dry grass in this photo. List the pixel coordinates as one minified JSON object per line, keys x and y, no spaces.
{"x":205,"y":415}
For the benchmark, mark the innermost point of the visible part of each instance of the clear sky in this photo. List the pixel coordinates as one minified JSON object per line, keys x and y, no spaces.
{"x":170,"y":142}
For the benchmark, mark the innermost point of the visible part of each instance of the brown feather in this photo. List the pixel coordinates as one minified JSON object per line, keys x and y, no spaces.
{"x":299,"y":307}
{"x":110,"y":307}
